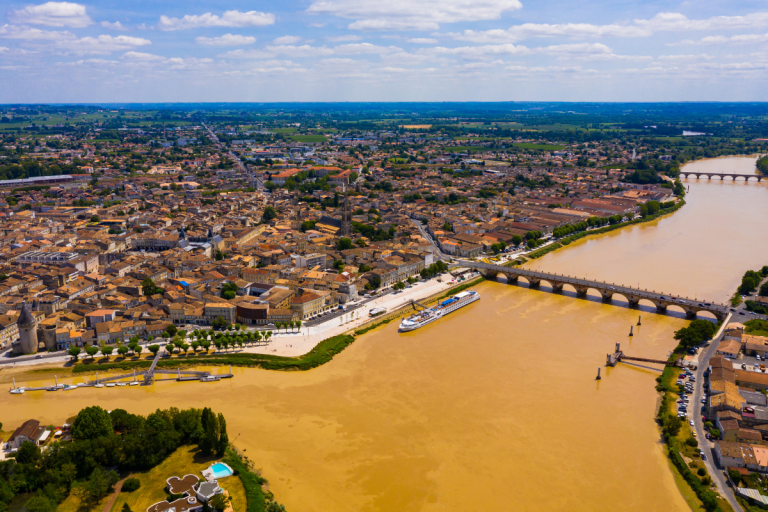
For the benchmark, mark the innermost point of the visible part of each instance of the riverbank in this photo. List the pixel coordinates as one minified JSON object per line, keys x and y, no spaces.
{"x":565,"y":241}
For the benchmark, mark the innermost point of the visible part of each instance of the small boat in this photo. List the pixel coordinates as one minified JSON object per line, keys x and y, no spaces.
{"x":111,"y":385}
{"x":67,"y":387}
{"x":122,"y":384}
{"x":134,"y":383}
{"x":210,"y":378}
{"x":17,"y":391}
{"x":98,"y":385}
{"x":52,"y":388}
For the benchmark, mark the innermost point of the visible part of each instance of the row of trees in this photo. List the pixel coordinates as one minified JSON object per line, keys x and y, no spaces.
{"x":751,"y":280}
{"x":102,"y":440}
{"x":434,"y":269}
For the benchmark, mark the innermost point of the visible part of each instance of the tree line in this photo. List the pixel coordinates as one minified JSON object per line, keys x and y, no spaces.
{"x":102,"y":444}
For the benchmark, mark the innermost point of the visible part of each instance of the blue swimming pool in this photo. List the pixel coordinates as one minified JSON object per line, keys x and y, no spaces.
{"x":221,"y":470}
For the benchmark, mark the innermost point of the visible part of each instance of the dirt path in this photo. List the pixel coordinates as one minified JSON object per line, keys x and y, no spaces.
{"x":111,"y":500}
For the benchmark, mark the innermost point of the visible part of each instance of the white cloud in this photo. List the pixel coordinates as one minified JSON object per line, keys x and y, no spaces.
{"x":360,"y":48}
{"x":412,"y":15}
{"x":529,"y":30}
{"x":339,"y":39}
{"x":142,"y":57}
{"x":300,"y":51}
{"x":511,"y":49}
{"x":703,"y":56}
{"x":225,"y":40}
{"x":116,"y":25}
{"x":709,"y":40}
{"x":102,"y":44}
{"x":53,"y":14}
{"x":228,"y":19}
{"x":422,"y":40}
{"x":246,"y":54}
{"x":33,"y":34}
{"x":675,"y":21}
{"x":287,"y":40}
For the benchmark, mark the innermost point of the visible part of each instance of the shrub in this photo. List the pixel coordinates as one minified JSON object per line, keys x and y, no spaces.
{"x":701,"y":472}
{"x":131,"y":485}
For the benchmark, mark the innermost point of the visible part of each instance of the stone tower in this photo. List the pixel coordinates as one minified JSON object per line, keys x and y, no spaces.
{"x":27,"y":330}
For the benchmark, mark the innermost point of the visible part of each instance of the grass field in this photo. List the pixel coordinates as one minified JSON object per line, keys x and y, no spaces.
{"x":309,"y":138}
{"x":184,"y":461}
{"x":282,"y":130}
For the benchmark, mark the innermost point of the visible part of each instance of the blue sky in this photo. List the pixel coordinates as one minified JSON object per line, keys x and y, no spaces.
{"x":383,"y":50}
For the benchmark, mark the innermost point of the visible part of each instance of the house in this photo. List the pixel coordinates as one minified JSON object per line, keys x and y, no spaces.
{"x":29,"y":431}
{"x":729,"y":348}
{"x":194,"y":494}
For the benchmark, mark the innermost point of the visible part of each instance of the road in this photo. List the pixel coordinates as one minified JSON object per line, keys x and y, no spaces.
{"x":706,"y":446}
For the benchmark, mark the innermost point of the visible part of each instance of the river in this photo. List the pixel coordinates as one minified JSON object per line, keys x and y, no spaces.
{"x":494,"y":407}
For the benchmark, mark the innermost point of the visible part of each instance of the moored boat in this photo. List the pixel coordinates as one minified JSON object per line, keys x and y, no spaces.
{"x":449,"y":305}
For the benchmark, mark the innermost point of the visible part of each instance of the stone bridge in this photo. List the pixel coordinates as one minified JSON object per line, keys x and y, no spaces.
{"x":662,"y":301}
{"x":722,"y":176}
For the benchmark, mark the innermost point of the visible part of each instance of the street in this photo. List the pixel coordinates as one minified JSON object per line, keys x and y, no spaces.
{"x":706,"y":446}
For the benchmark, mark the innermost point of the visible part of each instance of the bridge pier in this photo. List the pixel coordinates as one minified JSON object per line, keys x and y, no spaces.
{"x":634,"y":302}
{"x":581,"y":291}
{"x":511,"y":279}
{"x":661,"y":308}
{"x":607,"y":295}
{"x":557,"y":287}
{"x":534,"y":283}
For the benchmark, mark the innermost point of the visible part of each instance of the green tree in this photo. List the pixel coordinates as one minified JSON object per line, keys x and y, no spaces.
{"x":149,"y":288}
{"x":122,"y":350}
{"x":229,"y":291}
{"x":126,"y":508}
{"x":274,"y":506}
{"x":39,"y":503}
{"x":169,"y":348}
{"x":74,"y":352}
{"x":100,"y":484}
{"x":344,"y":243}
{"x":154,"y":349}
{"x":90,"y":423}
{"x":696,"y":333}
{"x":269,"y":214}
{"x":209,"y":436}
{"x":223,"y":440}
{"x":91,"y":350}
{"x":107,"y":350}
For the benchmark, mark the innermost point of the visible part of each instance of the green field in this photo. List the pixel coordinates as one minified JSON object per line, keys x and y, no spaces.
{"x":530,"y":145}
{"x":282,"y":130}
{"x":309,"y":138}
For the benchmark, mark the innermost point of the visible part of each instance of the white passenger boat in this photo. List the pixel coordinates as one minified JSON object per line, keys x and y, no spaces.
{"x":111,"y":385}
{"x":17,"y":391}
{"x":98,"y":385}
{"x":449,"y":305}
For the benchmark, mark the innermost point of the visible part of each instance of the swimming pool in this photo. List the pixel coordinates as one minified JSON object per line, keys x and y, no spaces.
{"x":221,"y":470}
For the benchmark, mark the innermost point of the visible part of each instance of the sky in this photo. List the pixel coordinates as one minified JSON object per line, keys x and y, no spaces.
{"x":383,"y":50}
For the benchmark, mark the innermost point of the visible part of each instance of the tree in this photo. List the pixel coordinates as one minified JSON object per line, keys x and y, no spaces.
{"x":517,"y":240}
{"x":74,"y":352}
{"x":90,"y":423}
{"x":39,"y":503}
{"x":91,"y":350}
{"x":229,"y":291}
{"x":122,"y":350}
{"x":278,"y":325}
{"x":714,"y":433}
{"x":195,"y":345}
{"x":269,"y":214}
{"x":107,"y":350}
{"x":363,"y":268}
{"x":138,"y":349}
{"x":298,"y":325}
{"x":344,"y":243}
{"x":154,"y":349}
{"x":219,"y":322}
{"x":206,"y":345}
{"x":274,"y":506}
{"x":126,"y":507}
{"x":209,"y":435}
{"x":220,"y":502}
{"x":169,"y":348}
{"x":130,"y":485}
{"x":223,"y":441}
{"x":697,"y":332}
{"x":399,"y":286}
{"x":149,"y":288}
{"x":100,"y":483}
{"x":172,"y":329}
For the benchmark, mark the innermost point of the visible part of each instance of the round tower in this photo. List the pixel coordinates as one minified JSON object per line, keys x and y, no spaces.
{"x":47,"y":334}
{"x":27,"y":330}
